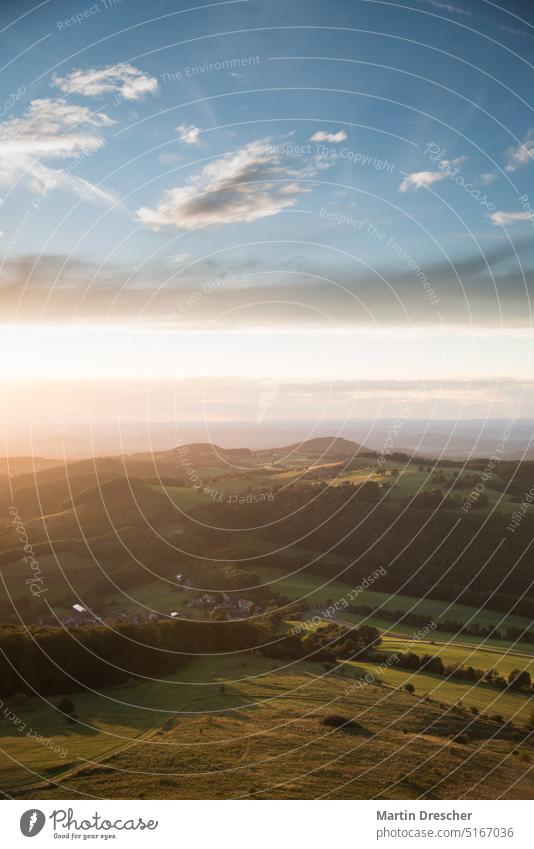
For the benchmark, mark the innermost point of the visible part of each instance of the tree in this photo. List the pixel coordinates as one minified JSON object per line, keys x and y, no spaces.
{"x":369,"y":636}
{"x":66,"y":705}
{"x":519,"y":680}
{"x":409,"y":688}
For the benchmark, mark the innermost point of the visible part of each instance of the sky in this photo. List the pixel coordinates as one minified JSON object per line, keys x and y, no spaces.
{"x":267,"y":210}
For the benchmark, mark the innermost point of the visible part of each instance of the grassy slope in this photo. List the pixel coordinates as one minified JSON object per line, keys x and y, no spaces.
{"x":514,"y":706}
{"x":263,"y":736}
{"x":81,"y":572}
{"x":185,"y":498}
{"x":106,"y":723}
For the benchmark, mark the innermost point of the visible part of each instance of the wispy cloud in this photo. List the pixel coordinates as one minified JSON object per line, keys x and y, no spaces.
{"x":521,"y":32}
{"x":419,"y":179}
{"x":521,"y":155}
{"x":334,"y":138}
{"x":446,"y":7}
{"x":242,"y":186}
{"x":128,"y":81}
{"x":501,"y":217}
{"x":188,"y":134}
{"x":51,"y":130}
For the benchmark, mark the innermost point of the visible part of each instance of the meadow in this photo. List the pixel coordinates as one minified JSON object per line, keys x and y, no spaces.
{"x":107,"y":722}
{"x":317,"y":592}
{"x":513,"y":706}
{"x":261,"y":730}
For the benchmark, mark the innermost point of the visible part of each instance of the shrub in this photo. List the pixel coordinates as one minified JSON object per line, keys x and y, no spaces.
{"x":461,"y":738}
{"x":409,"y":688}
{"x":65,"y":705}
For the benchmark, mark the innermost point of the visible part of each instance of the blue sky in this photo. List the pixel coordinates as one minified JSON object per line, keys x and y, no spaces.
{"x":359,"y":172}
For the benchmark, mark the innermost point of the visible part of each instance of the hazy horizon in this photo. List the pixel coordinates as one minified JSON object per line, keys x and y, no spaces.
{"x":447,"y":438}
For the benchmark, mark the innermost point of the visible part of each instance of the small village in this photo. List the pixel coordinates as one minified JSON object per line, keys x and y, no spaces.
{"x":215,"y":605}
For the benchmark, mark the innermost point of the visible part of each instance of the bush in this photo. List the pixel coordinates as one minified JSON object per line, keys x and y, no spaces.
{"x":409,"y":688}
{"x":65,"y":705}
{"x":461,"y":738}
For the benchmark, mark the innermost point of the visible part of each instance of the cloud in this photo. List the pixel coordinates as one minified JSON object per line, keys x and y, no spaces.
{"x":168,"y":158}
{"x":242,"y":186}
{"x":449,"y":164}
{"x":446,"y":7}
{"x":335,"y":138}
{"x":52,"y":130}
{"x":161,"y":293}
{"x":488,"y":178}
{"x":522,"y":154}
{"x":421,"y":178}
{"x":188,"y":134}
{"x":503,"y":218}
{"x":130,"y":82}
{"x":513,"y":31}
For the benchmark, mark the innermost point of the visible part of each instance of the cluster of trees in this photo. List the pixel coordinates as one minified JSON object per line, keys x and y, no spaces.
{"x":226,"y":576}
{"x":451,"y":626}
{"x":326,"y":644}
{"x":56,"y":660}
{"x":517,"y":680}
{"x":514,"y":477}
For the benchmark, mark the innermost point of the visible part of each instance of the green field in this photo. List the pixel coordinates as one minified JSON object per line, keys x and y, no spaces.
{"x":157,"y":595}
{"x":107,"y":723}
{"x":215,"y":482}
{"x":56,"y":572}
{"x":83,"y":573}
{"x":304,"y":586}
{"x":481,"y":658}
{"x":487,"y":699}
{"x":410,"y":481}
{"x":186,"y":498}
{"x":73,"y":578}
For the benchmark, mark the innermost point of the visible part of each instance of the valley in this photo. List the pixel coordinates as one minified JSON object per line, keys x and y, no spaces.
{"x":306,"y":557}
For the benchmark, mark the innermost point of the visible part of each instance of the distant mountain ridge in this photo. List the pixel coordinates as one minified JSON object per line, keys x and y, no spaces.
{"x":325,"y":445}
{"x":146,"y":463}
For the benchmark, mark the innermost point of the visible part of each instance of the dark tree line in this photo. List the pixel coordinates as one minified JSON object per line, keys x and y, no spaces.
{"x":55,"y":660}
